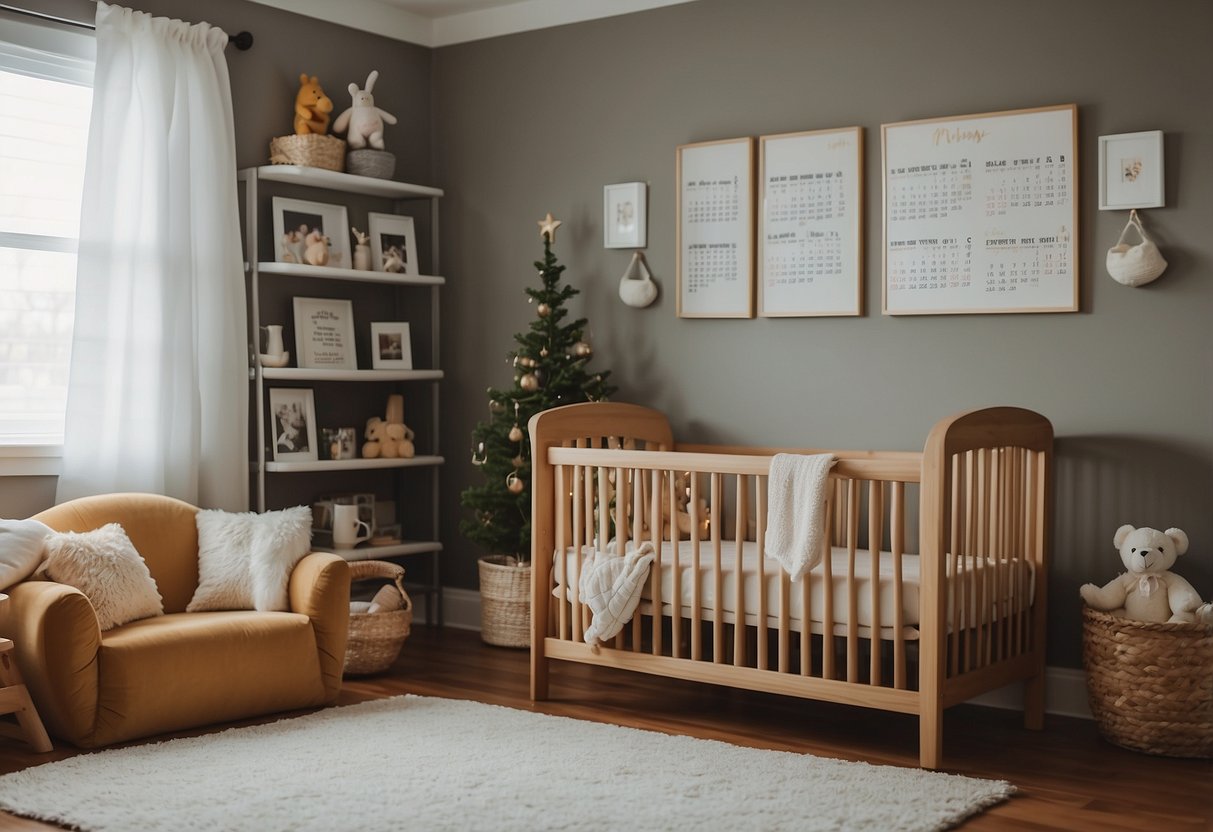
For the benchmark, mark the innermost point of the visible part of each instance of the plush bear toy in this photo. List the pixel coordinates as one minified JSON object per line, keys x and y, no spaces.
{"x":1149,"y":591}
{"x":312,"y":107}
{"x":390,"y":438}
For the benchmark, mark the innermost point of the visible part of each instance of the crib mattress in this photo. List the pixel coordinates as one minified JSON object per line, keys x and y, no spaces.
{"x":1018,"y":575}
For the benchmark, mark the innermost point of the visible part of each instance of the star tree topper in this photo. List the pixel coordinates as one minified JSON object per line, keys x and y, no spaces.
{"x":548,"y":226}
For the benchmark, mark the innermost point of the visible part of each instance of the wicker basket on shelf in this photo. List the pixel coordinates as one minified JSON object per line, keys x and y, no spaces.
{"x":312,"y":150}
{"x":376,"y":637}
{"x":1150,"y":685}
{"x":505,"y":601}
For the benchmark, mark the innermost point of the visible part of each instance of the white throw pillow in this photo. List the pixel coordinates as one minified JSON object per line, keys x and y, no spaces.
{"x":245,"y":560}
{"x":21,"y":544}
{"x":104,"y":565}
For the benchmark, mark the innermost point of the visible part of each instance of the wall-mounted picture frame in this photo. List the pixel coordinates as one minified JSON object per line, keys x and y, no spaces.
{"x":715,"y":233}
{"x":624,"y":215}
{"x":324,"y":334}
{"x":1131,"y":171}
{"x":980,"y":213}
{"x":393,"y":244}
{"x":293,"y":423}
{"x":296,"y":219}
{"x":391,"y":347}
{"x":810,"y":230}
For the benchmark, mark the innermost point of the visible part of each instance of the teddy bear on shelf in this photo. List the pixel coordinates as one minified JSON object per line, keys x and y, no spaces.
{"x":363,"y":120}
{"x":312,"y":107}
{"x":1149,"y":591}
{"x":389,"y":438}
{"x":316,"y":251}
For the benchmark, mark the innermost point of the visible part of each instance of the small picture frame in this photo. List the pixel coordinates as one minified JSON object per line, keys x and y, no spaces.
{"x":324,"y":334}
{"x":391,"y":348}
{"x":393,"y":244}
{"x":293,"y":422}
{"x":1131,"y":171}
{"x":296,"y":219}
{"x":624,"y":220}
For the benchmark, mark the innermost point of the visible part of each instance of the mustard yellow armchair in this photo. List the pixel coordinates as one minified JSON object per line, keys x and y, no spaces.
{"x":182,"y":669}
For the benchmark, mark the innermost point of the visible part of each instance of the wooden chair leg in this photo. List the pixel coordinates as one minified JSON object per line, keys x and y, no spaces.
{"x":16,"y":700}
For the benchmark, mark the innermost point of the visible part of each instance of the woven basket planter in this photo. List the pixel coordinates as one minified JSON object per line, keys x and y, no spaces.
{"x":376,"y":637}
{"x":505,"y":601}
{"x":312,"y":150}
{"x":1150,"y":685}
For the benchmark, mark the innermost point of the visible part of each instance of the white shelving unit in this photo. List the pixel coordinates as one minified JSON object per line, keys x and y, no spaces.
{"x":257,"y":269}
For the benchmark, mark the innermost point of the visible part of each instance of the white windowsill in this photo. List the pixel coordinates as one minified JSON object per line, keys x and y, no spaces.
{"x":30,"y":460}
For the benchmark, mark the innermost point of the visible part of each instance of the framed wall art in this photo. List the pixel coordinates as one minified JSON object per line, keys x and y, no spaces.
{"x":981,"y":213}
{"x":393,"y":244}
{"x":299,"y":223}
{"x":391,"y":347}
{"x":810,"y":237}
{"x":624,"y":219}
{"x":1131,"y":171}
{"x":324,"y":334}
{"x":293,"y":422}
{"x":715,"y":236}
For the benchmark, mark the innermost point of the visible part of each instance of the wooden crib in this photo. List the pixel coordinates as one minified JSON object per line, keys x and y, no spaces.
{"x":872,"y":624}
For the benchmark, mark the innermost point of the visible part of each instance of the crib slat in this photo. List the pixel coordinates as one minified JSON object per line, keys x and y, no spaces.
{"x":897,"y":545}
{"x":639,"y":494}
{"x":717,"y":576}
{"x":997,"y":552}
{"x":785,"y":593}
{"x":739,"y":625}
{"x":697,"y":580}
{"x":655,"y":522}
{"x":852,"y":584}
{"x":579,"y":535}
{"x":1016,"y":548}
{"x":968,"y":562}
{"x":562,"y":559}
{"x":760,"y":515}
{"x":676,"y":586}
{"x":875,"y":535}
{"x":954,"y":548}
{"x":983,"y":586}
{"x":827,"y":585}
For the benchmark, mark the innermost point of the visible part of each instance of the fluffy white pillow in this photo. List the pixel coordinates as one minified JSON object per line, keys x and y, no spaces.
{"x":245,"y":560}
{"x":21,"y":543}
{"x":104,"y":565}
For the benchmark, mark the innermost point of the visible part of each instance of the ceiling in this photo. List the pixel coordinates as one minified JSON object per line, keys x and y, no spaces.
{"x":446,"y":22}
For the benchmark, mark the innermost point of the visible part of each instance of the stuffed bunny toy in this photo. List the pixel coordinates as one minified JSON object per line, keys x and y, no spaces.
{"x":363,"y":120}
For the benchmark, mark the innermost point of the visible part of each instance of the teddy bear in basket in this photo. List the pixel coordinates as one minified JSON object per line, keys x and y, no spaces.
{"x":1149,"y":591}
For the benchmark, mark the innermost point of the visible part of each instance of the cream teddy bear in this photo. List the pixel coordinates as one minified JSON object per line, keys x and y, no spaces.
{"x":1149,"y":591}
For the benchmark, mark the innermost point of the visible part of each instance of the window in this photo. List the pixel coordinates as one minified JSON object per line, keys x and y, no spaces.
{"x":46,"y":98}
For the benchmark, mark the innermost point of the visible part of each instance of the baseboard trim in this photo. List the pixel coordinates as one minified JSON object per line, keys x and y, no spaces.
{"x":1065,"y":687}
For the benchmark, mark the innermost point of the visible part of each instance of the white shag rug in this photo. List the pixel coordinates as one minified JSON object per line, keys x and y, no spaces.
{"x":413,"y":762}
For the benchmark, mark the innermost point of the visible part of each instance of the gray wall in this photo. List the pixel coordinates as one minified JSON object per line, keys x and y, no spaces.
{"x":540,"y":121}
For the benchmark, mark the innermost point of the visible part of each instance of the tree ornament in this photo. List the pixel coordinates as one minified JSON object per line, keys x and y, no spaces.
{"x":541,"y":376}
{"x":582,"y":350}
{"x":515,"y":434}
{"x":479,"y":456}
{"x":529,"y":383}
{"x":544,"y":310}
{"x":547,"y":228}
{"x":543,"y":353}
{"x":514,"y":483}
{"x":519,"y":461}
{"x":496,"y":406}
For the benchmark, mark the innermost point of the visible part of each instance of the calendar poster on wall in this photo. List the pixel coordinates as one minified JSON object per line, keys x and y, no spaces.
{"x":981,"y":213}
{"x":716,"y":229}
{"x":809,"y":235}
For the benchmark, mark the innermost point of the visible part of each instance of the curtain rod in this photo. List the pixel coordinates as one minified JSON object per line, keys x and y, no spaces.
{"x":241,"y":40}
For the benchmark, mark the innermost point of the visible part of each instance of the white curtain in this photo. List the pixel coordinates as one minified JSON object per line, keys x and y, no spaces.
{"x":158,"y":396}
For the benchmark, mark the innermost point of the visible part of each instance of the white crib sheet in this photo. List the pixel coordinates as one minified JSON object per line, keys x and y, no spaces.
{"x":1019,"y":573}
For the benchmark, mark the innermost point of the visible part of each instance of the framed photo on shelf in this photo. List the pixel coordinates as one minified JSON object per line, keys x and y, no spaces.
{"x":391,"y":348}
{"x":623,"y":215}
{"x":299,"y":223}
{"x":715,"y":247}
{"x":1131,"y":171}
{"x":324,"y":334}
{"x":293,"y":417}
{"x":393,"y":244}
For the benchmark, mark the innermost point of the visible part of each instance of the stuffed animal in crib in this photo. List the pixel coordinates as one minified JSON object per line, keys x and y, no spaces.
{"x":316,"y":251}
{"x":1149,"y":591}
{"x":312,"y":107}
{"x":389,"y":438}
{"x":363,"y":120}
{"x":683,"y":520}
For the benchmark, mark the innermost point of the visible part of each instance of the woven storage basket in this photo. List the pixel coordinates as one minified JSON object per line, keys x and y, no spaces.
{"x":376,"y":637}
{"x":1150,"y":685}
{"x":312,"y":150}
{"x":505,"y":602}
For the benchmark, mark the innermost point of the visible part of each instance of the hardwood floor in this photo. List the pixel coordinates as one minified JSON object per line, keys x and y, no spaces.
{"x":1069,"y":779}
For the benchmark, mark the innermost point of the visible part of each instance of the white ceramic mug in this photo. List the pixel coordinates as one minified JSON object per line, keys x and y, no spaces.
{"x":347,"y":527}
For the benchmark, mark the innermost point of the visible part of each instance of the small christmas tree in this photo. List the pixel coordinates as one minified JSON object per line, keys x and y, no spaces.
{"x":549,"y":370}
